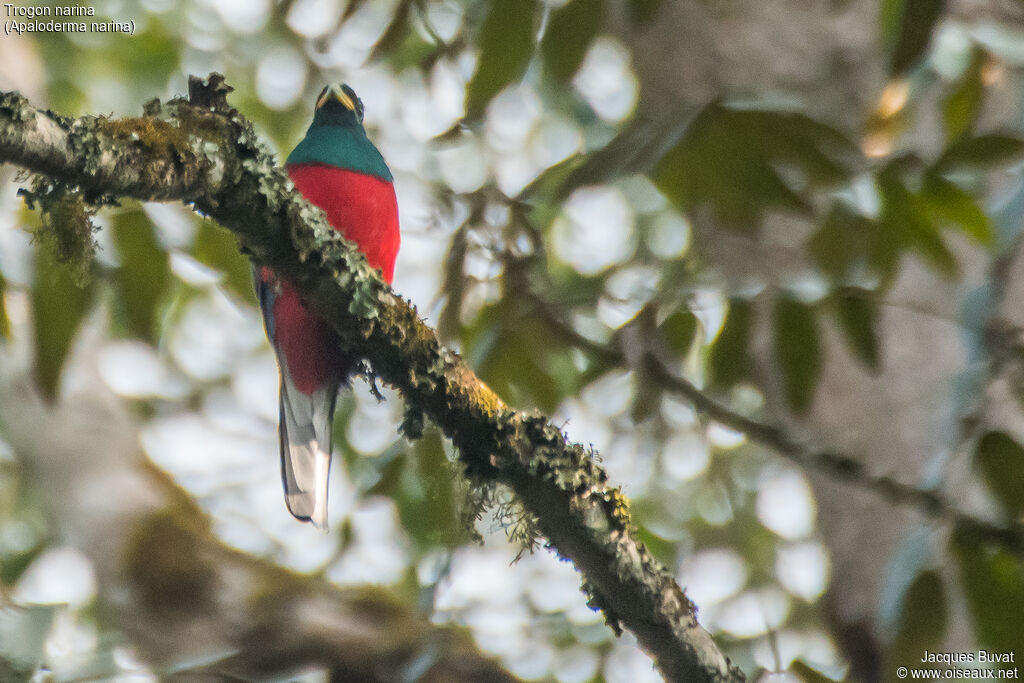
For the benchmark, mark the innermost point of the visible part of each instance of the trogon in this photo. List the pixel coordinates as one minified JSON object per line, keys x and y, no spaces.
{"x":338,"y":169}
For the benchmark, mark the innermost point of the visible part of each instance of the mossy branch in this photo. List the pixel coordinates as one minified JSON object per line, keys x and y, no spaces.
{"x":203,"y":153}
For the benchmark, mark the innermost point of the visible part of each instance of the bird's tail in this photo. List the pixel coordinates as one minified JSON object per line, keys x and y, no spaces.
{"x":305,"y":430}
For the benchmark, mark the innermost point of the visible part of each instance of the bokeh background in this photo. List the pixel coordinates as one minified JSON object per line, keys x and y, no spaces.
{"x":811,"y":211}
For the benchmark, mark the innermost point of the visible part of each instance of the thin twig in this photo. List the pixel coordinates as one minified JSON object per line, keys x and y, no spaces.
{"x":843,"y":467}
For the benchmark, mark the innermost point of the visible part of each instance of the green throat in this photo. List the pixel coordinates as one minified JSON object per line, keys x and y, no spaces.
{"x":342,"y":145}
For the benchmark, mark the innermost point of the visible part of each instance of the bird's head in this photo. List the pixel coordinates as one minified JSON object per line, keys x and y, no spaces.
{"x":337,"y":138}
{"x":338,"y":105}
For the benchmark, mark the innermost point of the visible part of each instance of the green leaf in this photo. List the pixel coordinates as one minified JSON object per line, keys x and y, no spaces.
{"x":59,"y":304}
{"x":948,"y":204}
{"x":730,"y":159}
{"x":433,"y":518}
{"x":217,"y":248}
{"x":449,"y":322}
{"x":922,"y":622}
{"x":797,"y":351}
{"x":929,"y":244}
{"x":143,"y":276}
{"x":840,"y":242}
{"x":519,"y":358}
{"x":635,"y":149}
{"x":642,"y":11}
{"x":395,"y":33}
{"x":662,"y":550}
{"x":390,"y":468}
{"x":646,"y":399}
{"x":960,"y":111}
{"x":548,"y":184}
{"x":679,"y":330}
{"x":917,"y":20}
{"x":156,"y":55}
{"x":351,"y":7}
{"x":993,"y":580}
{"x":545,"y":193}
{"x":858,"y":317}
{"x":888,"y":239}
{"x":5,"y":322}
{"x":728,"y":362}
{"x":506,"y":45}
{"x":1001,"y":461}
{"x":421,"y":483}
{"x":405,"y":47}
{"x":14,"y":564}
{"x":982,"y":153}
{"x":571,"y":29}
{"x":890,"y":13}
{"x":905,"y":222}
{"x":808,"y":675}
{"x":717,"y":165}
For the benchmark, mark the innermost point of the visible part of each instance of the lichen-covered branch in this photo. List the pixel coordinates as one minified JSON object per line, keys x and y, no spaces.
{"x":205,"y":154}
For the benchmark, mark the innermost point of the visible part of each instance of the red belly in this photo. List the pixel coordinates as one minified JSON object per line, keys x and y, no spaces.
{"x":361,"y":207}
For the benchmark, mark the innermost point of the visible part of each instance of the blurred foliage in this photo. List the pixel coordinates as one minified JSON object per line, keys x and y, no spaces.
{"x":142,"y":278}
{"x":550,"y":317}
{"x":571,"y":28}
{"x":730,"y":160}
{"x":59,"y":304}
{"x":728,"y":359}
{"x":5,"y":321}
{"x":923,"y":620}
{"x":22,"y":635}
{"x":797,"y":350}
{"x":857,"y":315}
{"x":913,"y":29}
{"x":998,"y":457}
{"x":217,"y":248}
{"x":506,"y":45}
{"x":994,"y":583}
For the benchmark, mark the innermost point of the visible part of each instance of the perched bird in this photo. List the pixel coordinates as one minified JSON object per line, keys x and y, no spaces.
{"x":337,"y":168}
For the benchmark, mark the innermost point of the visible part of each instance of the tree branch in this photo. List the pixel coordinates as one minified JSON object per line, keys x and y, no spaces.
{"x":205,"y":154}
{"x":841,"y":466}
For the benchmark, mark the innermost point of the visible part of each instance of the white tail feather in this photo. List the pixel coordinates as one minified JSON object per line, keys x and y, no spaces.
{"x":306,"y":450}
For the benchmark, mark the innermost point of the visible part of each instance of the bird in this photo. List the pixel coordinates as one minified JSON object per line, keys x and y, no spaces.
{"x":337,"y":168}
